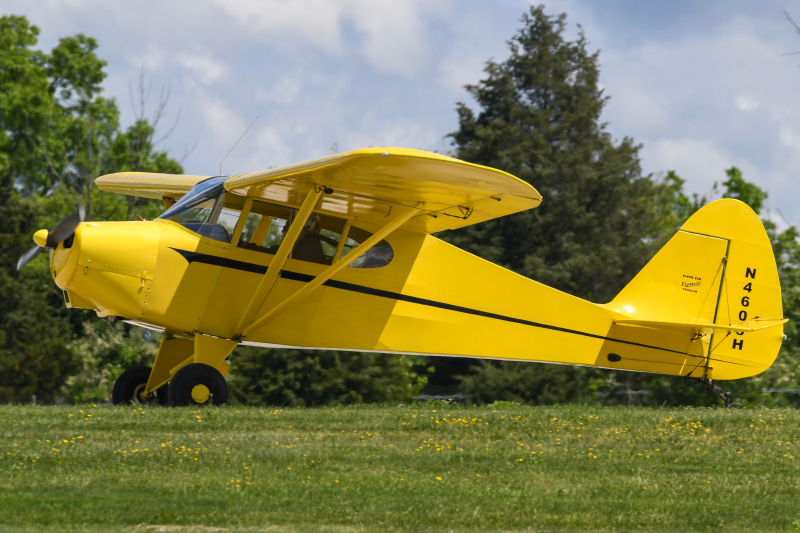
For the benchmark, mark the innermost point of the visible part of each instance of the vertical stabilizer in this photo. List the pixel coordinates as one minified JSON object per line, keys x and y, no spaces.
{"x":719,"y":269}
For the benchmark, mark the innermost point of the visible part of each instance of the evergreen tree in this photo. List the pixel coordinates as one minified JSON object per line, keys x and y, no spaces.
{"x":539,"y":119}
{"x":600,"y":220}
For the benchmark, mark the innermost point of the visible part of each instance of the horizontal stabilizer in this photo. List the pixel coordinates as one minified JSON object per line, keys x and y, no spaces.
{"x":749,"y":325}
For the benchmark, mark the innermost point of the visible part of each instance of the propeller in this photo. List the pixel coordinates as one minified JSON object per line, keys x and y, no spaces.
{"x":49,"y":239}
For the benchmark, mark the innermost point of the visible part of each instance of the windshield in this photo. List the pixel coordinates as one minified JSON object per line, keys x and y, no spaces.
{"x":202,"y":211}
{"x":200,"y":192}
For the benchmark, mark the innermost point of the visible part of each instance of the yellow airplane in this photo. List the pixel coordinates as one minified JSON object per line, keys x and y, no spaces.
{"x":337,"y":253}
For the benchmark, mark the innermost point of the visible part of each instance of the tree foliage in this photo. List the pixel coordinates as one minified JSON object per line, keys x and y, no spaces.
{"x":57,"y":133}
{"x":538,"y":118}
{"x":304,"y":378}
{"x":749,"y":193}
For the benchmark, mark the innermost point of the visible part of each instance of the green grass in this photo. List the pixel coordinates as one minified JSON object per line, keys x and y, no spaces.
{"x":422,"y":467}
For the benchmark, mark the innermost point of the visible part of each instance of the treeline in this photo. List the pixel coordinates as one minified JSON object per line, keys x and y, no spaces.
{"x":537,"y":116}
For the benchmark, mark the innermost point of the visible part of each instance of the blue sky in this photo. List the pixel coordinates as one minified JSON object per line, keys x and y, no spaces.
{"x":701,"y":85}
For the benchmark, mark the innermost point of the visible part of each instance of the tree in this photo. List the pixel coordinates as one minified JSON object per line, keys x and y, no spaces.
{"x":749,"y":193}
{"x":101,"y":354}
{"x":57,"y":133}
{"x":304,"y":377}
{"x":538,"y":118}
{"x":33,"y":355}
{"x":134,"y":150}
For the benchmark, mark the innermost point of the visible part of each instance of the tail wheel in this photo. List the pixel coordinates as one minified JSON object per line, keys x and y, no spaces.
{"x":198,"y":384}
{"x":130,"y":386}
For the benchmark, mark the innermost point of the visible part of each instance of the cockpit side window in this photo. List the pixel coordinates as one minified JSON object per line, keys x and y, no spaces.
{"x":319,"y":240}
{"x":210,"y":211}
{"x":265,"y":227}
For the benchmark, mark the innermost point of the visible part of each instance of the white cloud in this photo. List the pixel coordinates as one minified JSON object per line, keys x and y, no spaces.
{"x":639,"y":108}
{"x":702,"y":87}
{"x":698,"y":161}
{"x":394,"y":33}
{"x":746,"y":103}
{"x":461,"y":65}
{"x":152,"y":58}
{"x":272,"y":149}
{"x":373,"y":130}
{"x":790,"y":139}
{"x":205,"y":67}
{"x":221,"y":122}
{"x":284,"y":92}
{"x":313,"y":21}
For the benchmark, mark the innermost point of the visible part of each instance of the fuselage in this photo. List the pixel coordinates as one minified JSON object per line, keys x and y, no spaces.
{"x":431,"y":298}
{"x":201,"y":269}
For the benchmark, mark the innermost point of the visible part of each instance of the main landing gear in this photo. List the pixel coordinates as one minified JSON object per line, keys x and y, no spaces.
{"x":130,"y":387}
{"x":198,"y":384}
{"x":194,"y":384}
{"x":199,"y":380}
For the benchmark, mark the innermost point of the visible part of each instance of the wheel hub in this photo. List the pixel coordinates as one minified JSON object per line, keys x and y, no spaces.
{"x":200,"y":393}
{"x":139,"y":396}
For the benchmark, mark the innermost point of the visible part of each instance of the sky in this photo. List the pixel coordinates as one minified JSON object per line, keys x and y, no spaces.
{"x":702,"y":86}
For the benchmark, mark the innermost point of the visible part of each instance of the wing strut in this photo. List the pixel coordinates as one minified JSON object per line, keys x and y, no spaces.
{"x":329,"y":272}
{"x":280,"y":257}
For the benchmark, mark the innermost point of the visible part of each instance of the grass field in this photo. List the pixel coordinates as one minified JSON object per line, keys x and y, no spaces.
{"x":424,"y":467}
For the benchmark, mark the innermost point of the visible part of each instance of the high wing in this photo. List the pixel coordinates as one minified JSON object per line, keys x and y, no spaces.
{"x":148,"y":185}
{"x":368,"y":184}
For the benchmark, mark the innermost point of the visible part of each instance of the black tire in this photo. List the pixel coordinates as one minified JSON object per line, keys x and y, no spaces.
{"x":198,"y":384}
{"x":130,"y":383}
{"x":163,"y":395}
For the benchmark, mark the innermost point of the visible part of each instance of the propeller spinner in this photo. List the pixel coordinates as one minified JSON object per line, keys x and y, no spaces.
{"x":49,"y":239}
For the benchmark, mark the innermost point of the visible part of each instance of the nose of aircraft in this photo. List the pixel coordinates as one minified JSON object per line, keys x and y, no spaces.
{"x":40,"y":237}
{"x":44,"y":239}
{"x":107,"y":266}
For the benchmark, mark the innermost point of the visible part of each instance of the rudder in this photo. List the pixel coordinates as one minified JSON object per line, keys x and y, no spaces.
{"x":719,"y":268}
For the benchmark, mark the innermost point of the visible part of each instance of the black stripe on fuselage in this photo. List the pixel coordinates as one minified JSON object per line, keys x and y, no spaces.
{"x":295,"y":276}
{"x":197,"y":257}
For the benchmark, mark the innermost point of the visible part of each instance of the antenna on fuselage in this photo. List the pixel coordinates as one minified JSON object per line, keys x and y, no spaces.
{"x":237,"y":142}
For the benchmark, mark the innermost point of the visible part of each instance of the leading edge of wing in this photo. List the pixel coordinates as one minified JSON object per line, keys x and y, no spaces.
{"x":148,"y":184}
{"x":367,"y":183}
